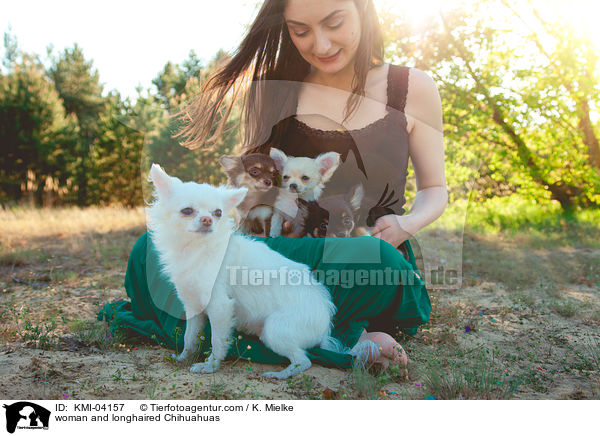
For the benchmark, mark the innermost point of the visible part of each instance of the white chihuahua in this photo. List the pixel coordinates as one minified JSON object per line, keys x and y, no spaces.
{"x":301,"y":177}
{"x":194,"y":235}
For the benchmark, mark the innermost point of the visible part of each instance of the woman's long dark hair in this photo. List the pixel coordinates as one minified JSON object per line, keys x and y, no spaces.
{"x":268,"y":54}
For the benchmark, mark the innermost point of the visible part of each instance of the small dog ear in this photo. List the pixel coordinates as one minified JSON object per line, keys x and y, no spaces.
{"x":161,"y":180}
{"x":235,"y":197}
{"x":230,"y":162}
{"x":328,"y":163}
{"x":355,"y":196}
{"x":279,"y":157}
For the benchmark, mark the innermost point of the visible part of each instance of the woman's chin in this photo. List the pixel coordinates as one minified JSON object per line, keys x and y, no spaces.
{"x":331,"y":67}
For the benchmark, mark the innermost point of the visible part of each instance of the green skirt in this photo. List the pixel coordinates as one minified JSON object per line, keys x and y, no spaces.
{"x":373,"y":285}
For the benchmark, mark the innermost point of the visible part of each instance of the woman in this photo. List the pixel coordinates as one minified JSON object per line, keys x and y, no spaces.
{"x":317,"y":65}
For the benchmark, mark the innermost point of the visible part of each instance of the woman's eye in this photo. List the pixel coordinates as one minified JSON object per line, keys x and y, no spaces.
{"x":301,"y":34}
{"x":335,"y":24}
{"x":187,"y":211}
{"x":305,"y":178}
{"x":218,"y":213}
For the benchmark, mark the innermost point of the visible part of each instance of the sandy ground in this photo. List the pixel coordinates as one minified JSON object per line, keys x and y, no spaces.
{"x":494,"y":337}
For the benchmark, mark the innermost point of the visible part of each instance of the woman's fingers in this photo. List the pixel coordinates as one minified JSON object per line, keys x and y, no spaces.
{"x":380,"y":226}
{"x":287,"y":229}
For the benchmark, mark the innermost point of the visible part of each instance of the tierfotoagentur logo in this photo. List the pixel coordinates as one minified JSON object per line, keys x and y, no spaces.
{"x":346,"y":278}
{"x":26,"y":415}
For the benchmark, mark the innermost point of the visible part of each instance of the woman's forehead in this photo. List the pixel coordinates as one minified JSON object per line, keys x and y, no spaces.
{"x":313,"y":11}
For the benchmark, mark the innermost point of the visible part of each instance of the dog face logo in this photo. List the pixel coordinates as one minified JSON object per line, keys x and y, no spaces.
{"x":26,"y":415}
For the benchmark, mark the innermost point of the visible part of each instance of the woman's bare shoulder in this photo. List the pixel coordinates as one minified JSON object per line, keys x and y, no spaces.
{"x":423,"y":100}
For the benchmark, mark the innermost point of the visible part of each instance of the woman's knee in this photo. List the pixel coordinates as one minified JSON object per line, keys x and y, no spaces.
{"x":391,"y":256}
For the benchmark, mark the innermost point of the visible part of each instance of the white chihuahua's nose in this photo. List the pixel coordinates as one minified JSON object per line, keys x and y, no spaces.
{"x":206,"y":221}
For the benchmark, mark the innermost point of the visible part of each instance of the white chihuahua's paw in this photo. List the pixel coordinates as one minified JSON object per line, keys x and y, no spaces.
{"x":293,"y":369}
{"x":275,"y":374}
{"x":207,"y":367}
{"x":185,"y":354}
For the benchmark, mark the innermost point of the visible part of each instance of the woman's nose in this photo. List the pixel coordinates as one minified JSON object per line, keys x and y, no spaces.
{"x":322,"y":44}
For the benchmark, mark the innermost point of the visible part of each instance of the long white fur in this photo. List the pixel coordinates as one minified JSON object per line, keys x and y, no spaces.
{"x":288,"y":318}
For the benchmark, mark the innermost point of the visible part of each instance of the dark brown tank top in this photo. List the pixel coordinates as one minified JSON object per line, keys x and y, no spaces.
{"x":375,"y":155}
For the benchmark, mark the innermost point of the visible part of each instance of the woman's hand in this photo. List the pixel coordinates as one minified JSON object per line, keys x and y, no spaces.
{"x":287,"y":230}
{"x":394,"y":229}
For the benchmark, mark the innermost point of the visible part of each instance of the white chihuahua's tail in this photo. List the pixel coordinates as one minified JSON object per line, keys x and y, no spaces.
{"x":363,"y":352}
{"x":330,"y":343}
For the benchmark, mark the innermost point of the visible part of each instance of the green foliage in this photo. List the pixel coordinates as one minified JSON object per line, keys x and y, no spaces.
{"x":116,"y":156}
{"x":38,"y":137}
{"x":518,"y":89}
{"x":517,"y":213}
{"x":81,"y":93}
{"x":516,"y":95}
{"x":201,"y":165}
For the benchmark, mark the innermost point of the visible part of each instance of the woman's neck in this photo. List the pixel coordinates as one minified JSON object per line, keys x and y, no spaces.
{"x":341,"y":80}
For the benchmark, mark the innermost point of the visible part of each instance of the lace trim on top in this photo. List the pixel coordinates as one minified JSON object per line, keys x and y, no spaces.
{"x":395,"y":100}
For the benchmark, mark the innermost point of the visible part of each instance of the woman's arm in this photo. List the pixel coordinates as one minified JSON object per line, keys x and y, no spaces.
{"x":426,"y":150}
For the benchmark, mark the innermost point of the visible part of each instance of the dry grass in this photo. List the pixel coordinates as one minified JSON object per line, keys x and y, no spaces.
{"x":73,"y":221}
{"x":525,"y":323}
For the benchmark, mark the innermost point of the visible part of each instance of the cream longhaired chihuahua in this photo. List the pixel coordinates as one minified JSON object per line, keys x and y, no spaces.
{"x":194,"y":235}
{"x":301,"y":177}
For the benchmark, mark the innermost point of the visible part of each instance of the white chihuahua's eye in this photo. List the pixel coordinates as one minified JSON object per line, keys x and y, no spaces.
{"x":305,"y":178}
{"x":217,"y":212}
{"x":286,"y":178}
{"x":187,"y":211}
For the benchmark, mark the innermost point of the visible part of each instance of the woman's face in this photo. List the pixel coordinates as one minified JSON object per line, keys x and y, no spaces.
{"x":325,"y":32}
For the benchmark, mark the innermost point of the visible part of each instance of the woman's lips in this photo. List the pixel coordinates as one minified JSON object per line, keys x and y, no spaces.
{"x":331,"y":58}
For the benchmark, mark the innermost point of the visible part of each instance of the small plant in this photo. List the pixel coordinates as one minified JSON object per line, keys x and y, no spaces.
{"x":117,"y":376}
{"x":592,"y":347}
{"x":40,"y":335}
{"x":151,"y":388}
{"x":176,"y":335}
{"x":95,"y":333}
{"x":481,"y":379}
{"x":365,"y":383}
{"x":566,"y":309}
{"x":303,"y":386}
{"x":216,"y":390}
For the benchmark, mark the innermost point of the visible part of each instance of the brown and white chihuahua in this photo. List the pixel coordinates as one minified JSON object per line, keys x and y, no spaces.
{"x":258,"y":173}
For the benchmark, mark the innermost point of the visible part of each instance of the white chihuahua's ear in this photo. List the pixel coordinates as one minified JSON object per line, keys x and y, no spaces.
{"x":230,"y":162}
{"x":235,"y":197}
{"x":279,"y":157}
{"x":328,"y":163}
{"x":161,"y":180}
